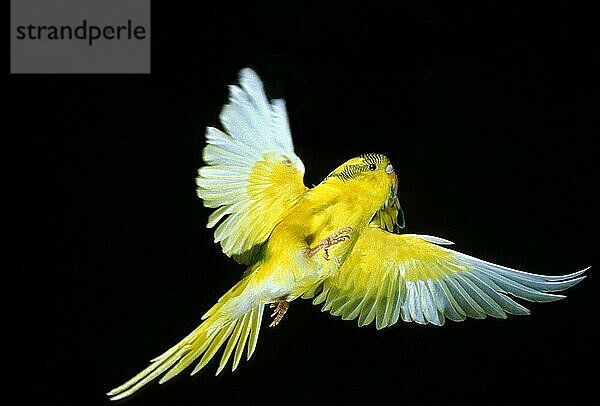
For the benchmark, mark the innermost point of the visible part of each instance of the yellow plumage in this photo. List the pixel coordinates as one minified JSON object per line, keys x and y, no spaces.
{"x":336,"y":242}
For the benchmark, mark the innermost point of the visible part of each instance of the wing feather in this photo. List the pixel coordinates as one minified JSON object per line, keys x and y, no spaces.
{"x":368,"y":306}
{"x":390,"y":276}
{"x":495,"y":293}
{"x":397,"y":300}
{"x":428,"y":303}
{"x":384,"y":310}
{"x":251,"y":169}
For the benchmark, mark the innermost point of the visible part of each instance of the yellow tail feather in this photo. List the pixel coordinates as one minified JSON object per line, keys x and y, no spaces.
{"x":218,"y":327}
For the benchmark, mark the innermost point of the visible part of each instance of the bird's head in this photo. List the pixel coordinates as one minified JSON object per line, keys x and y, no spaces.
{"x":373,"y":172}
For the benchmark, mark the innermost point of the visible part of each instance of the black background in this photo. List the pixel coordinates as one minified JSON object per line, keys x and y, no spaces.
{"x":485,"y":110}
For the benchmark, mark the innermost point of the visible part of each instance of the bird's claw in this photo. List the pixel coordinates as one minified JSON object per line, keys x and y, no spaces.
{"x":329,"y":241}
{"x":281,"y":307}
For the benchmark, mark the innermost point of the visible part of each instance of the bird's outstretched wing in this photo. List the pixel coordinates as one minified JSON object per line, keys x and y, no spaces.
{"x":252,"y":175}
{"x":390,"y":276}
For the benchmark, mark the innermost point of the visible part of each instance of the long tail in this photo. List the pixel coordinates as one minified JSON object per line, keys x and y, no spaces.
{"x":229,"y":320}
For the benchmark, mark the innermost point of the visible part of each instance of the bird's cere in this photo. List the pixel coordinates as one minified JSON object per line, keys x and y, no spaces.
{"x":389,"y":168}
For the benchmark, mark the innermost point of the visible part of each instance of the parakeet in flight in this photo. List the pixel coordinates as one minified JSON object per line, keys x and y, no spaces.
{"x":337,"y":243}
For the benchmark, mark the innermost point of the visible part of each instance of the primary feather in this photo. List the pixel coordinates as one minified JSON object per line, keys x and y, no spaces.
{"x":336,"y":242}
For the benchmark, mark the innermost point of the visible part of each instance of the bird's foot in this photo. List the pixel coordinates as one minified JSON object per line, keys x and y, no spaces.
{"x":328,"y":242}
{"x":281,"y":307}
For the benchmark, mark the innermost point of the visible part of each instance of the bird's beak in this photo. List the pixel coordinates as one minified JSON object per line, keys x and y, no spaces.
{"x":389,"y":169}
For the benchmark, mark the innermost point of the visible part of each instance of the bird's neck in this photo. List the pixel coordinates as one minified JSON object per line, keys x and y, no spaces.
{"x":359,"y":196}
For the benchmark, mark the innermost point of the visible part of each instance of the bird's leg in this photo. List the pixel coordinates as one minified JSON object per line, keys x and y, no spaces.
{"x":281,"y":307}
{"x":328,"y":242}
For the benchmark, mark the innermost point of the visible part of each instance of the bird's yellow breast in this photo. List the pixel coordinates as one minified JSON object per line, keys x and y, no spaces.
{"x":323,"y":210}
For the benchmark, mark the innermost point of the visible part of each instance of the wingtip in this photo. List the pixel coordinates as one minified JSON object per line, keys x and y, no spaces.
{"x":554,"y":297}
{"x":248,"y":73}
{"x":576,"y":281}
{"x":576,"y":275}
{"x":247,"y":70}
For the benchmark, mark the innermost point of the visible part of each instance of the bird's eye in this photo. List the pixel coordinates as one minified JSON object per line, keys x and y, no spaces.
{"x":372,"y":167}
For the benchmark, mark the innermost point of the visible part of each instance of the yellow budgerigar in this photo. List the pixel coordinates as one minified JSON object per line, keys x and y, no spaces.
{"x":337,"y":243}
